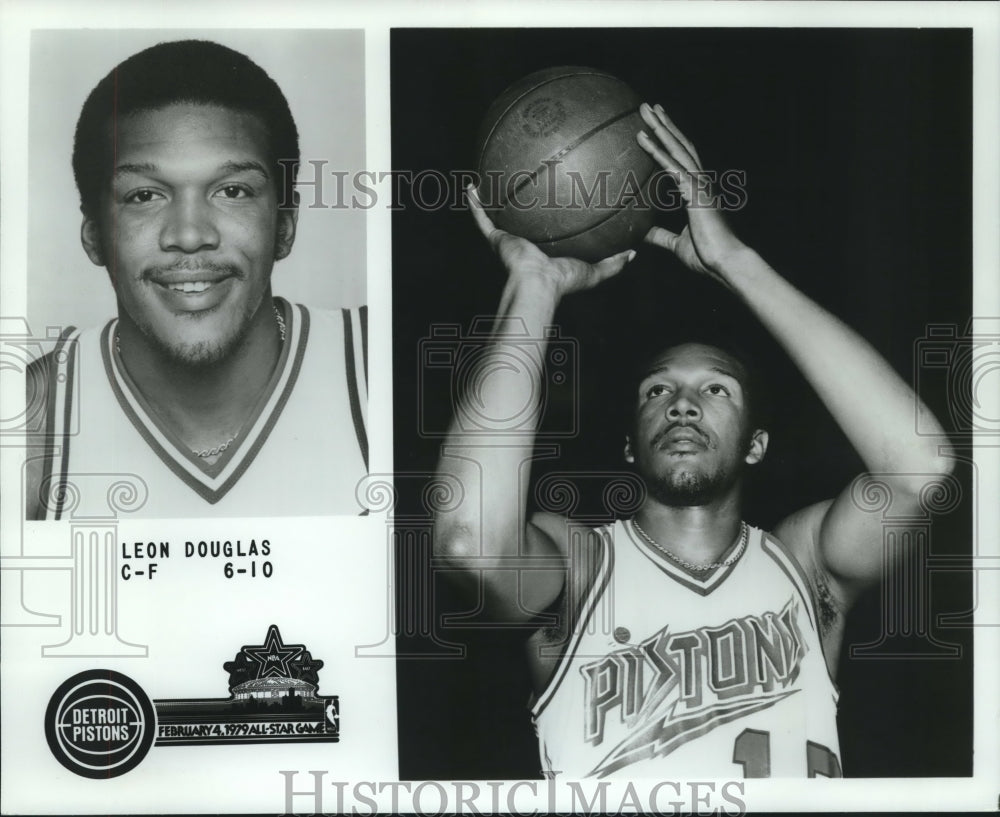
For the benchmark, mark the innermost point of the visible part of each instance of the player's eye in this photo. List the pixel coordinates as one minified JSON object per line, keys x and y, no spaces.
{"x":235,"y":191}
{"x":143,"y":196}
{"x":656,"y":390}
{"x":718,"y":389}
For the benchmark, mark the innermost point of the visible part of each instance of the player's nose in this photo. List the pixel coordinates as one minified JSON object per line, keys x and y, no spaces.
{"x":189,"y":225}
{"x":684,"y":406}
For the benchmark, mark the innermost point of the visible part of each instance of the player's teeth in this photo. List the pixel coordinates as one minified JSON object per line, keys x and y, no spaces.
{"x":191,"y":286}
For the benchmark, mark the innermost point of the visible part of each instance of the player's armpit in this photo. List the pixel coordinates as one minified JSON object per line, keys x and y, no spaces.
{"x":839,"y":543}
{"x":837,"y":539}
{"x":844,"y":539}
{"x":832,"y":598}
{"x":851,"y":537}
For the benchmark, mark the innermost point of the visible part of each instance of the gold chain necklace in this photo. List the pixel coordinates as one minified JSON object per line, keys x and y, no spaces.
{"x":214,"y":452}
{"x":690,"y":565}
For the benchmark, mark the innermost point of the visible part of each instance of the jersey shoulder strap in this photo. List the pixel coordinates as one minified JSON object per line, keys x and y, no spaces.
{"x":356,"y":363}
{"x":59,"y":372}
{"x":591,"y":565}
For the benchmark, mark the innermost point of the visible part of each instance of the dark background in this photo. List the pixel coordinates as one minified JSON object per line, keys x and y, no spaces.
{"x":857,"y":150}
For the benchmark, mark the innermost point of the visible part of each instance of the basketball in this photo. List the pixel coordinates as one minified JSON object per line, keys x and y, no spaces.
{"x":559,"y":163}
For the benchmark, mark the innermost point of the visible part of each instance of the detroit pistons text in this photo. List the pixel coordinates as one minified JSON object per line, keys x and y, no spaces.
{"x":101,"y":724}
{"x":143,"y":559}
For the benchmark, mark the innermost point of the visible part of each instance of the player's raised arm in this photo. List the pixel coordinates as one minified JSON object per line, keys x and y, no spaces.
{"x":872,"y":405}
{"x":488,"y":533}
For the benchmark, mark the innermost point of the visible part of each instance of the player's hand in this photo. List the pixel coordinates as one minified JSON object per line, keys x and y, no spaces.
{"x":707,"y":242}
{"x":522,"y":258}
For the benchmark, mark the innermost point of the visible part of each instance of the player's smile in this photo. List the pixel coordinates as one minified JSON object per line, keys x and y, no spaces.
{"x":194,"y":290}
{"x":194,"y":296}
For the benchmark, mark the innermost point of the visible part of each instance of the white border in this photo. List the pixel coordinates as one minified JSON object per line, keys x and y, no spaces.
{"x":18,"y":17}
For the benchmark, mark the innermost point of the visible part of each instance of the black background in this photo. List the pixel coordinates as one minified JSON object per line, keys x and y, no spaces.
{"x":857,"y":150}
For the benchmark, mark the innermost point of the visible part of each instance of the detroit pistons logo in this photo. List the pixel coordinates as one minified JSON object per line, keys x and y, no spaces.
{"x":100,"y":724}
{"x":676,"y":686}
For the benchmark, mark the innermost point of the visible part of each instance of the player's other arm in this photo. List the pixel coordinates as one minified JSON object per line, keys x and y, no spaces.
{"x":487,"y":537}
{"x":876,"y":410}
{"x":874,"y":407}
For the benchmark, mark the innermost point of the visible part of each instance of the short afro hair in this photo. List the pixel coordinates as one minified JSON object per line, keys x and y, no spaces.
{"x":185,"y":71}
{"x":755,"y":385}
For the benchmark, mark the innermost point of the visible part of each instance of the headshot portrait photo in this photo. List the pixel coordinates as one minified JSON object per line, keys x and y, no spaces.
{"x":201,"y":320}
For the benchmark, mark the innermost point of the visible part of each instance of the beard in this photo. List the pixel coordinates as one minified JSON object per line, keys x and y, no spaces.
{"x":686,"y":484}
{"x":200,"y":354}
{"x":685,"y":489}
{"x":203,"y":352}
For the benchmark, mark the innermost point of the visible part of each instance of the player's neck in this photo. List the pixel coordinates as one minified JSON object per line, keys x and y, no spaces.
{"x":204,"y":405}
{"x":699,"y":534}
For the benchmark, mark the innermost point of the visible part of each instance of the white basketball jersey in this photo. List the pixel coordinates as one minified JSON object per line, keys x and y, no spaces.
{"x":302,"y":452}
{"x":669,"y":675}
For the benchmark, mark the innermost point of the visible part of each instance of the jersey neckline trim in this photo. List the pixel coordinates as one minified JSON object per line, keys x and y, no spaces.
{"x":697,"y":584}
{"x":213,"y":482}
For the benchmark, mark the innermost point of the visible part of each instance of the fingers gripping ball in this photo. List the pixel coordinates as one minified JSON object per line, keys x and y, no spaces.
{"x":560,"y":166}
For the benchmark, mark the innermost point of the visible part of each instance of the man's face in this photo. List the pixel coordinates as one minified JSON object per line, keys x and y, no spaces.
{"x":190,"y":229}
{"x":692,"y":435}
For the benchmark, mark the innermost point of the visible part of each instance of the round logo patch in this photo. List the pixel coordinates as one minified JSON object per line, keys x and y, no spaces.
{"x":100,"y":723}
{"x":622,"y":635}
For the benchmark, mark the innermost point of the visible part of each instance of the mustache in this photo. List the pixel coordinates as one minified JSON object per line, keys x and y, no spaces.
{"x":680,"y":424}
{"x":193,"y":265}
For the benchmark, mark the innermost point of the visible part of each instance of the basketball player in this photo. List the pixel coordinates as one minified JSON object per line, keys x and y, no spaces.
{"x":220,"y":398}
{"x":692,"y":644}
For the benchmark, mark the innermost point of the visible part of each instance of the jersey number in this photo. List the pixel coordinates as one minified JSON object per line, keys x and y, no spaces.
{"x":752,"y":751}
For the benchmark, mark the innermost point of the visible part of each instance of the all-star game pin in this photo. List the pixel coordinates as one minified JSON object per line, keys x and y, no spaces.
{"x":273,"y":698}
{"x":101,"y":724}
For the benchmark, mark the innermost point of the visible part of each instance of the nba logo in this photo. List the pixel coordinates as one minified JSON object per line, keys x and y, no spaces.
{"x":332,"y":716}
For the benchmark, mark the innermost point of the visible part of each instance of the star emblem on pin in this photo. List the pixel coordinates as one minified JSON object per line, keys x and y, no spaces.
{"x":273,"y":656}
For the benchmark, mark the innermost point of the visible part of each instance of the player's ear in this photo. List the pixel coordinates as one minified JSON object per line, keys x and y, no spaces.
{"x":90,"y":237}
{"x":287,"y":220}
{"x":758,"y":447}
{"x":629,"y":456}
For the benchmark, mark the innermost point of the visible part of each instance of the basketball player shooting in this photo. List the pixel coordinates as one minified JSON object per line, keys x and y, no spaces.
{"x":206,"y":387}
{"x":720,"y":656}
